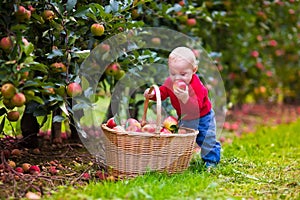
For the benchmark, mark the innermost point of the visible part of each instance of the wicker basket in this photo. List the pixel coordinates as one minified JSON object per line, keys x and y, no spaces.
{"x":129,"y":154}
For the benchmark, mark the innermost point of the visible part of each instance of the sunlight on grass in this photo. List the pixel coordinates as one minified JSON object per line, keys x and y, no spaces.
{"x":264,"y":165}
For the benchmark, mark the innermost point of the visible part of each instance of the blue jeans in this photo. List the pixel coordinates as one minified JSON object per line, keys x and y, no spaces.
{"x":206,"y":138}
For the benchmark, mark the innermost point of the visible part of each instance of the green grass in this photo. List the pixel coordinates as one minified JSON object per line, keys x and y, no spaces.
{"x":264,"y":165}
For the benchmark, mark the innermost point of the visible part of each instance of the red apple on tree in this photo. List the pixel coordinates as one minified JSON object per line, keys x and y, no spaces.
{"x":119,"y":74}
{"x":191,"y":22}
{"x":18,"y":99}
{"x":104,"y":47}
{"x":48,"y":15}
{"x":112,"y":69}
{"x":74,"y":89}
{"x":6,"y":43}
{"x":13,"y":116}
{"x":97,"y":29}
{"x":58,"y":67}
{"x":8,"y":90}
{"x":8,"y":104}
{"x":156,"y":41}
{"x":23,"y":14}
{"x":254,"y":54}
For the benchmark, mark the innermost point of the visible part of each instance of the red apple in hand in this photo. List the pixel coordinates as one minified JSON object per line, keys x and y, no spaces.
{"x":170,"y":123}
{"x":179,"y":84}
{"x":111,"y":123}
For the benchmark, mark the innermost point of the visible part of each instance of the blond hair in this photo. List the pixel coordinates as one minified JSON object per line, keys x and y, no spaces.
{"x":183,"y":54}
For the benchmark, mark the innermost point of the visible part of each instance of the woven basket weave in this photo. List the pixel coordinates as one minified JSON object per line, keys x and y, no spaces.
{"x":129,"y":154}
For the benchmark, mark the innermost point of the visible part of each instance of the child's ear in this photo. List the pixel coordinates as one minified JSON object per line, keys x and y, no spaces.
{"x":195,"y":69}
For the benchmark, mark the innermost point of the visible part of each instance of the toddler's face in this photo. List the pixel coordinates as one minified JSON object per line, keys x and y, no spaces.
{"x":181,"y":70}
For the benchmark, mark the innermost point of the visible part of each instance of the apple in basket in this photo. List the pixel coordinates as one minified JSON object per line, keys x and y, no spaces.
{"x":111,"y":122}
{"x":181,"y":131}
{"x":170,"y":123}
{"x":165,"y":131}
{"x":132,"y":122}
{"x":150,"y":128}
{"x":133,"y":128}
{"x":119,"y":128}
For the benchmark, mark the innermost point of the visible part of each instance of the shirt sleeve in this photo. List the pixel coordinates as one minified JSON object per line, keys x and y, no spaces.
{"x":164,"y":90}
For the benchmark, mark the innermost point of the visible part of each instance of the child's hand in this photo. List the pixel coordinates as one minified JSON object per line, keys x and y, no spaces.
{"x":147,"y":95}
{"x":182,"y":95}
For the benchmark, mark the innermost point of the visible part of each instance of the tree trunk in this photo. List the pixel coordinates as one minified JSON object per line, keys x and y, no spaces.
{"x":30,"y":128}
{"x":56,"y":127}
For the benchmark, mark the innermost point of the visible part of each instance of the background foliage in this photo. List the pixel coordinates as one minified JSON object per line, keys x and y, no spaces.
{"x":253,"y":43}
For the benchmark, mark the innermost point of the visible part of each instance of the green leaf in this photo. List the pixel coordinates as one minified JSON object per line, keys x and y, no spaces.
{"x":63,"y":107}
{"x":82,"y":54}
{"x":39,"y":67}
{"x":37,"y":99}
{"x":84,"y":83}
{"x":28,"y":49}
{"x":55,"y":53}
{"x":71,"y":4}
{"x":44,"y":120}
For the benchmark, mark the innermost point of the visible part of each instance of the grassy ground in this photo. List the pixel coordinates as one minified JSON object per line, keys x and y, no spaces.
{"x":264,"y":165}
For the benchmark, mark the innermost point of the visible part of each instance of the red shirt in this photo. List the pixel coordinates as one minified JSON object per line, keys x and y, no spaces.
{"x":198,"y":103}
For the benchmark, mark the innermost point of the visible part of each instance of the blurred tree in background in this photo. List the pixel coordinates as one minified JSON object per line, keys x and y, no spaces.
{"x":43,"y":43}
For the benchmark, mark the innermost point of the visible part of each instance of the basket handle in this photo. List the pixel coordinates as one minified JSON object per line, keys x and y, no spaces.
{"x":158,"y":108}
